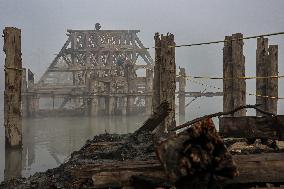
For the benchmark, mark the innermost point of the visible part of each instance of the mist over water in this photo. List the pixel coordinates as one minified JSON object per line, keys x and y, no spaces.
{"x":48,"y":142}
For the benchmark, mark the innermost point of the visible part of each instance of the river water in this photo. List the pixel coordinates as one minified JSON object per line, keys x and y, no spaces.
{"x":48,"y":142}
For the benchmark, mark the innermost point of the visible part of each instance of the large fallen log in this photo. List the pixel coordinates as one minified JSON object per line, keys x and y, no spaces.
{"x":271,"y":127}
{"x":259,"y":168}
{"x":253,"y":168}
{"x":196,"y":156}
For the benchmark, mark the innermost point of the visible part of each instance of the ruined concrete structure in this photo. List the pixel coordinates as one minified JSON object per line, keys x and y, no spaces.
{"x":13,"y":85}
{"x":266,"y":65}
{"x":97,"y":72}
{"x":234,"y":87}
{"x":181,"y":95}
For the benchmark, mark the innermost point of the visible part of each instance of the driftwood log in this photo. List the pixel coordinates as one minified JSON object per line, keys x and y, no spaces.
{"x":196,"y":156}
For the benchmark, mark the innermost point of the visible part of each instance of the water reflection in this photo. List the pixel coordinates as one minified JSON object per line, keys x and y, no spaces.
{"x":48,"y":142}
{"x":13,"y":163}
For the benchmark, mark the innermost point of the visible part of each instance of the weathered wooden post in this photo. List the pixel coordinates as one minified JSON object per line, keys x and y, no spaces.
{"x":266,"y":66}
{"x":165,"y":78}
{"x":181,"y":96}
{"x":13,"y":82}
{"x":234,"y":87}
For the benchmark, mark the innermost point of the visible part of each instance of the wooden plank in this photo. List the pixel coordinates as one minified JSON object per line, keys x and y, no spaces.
{"x":122,"y":178}
{"x":252,"y":127}
{"x":266,"y":167}
{"x":200,"y":94}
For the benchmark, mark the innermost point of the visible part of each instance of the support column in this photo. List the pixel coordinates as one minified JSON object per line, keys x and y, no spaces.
{"x":182,"y":84}
{"x":130,"y":104}
{"x":31,"y":80}
{"x":24,"y":94}
{"x":165,"y":78}
{"x":33,"y":105}
{"x":234,"y":88}
{"x":266,"y":65}
{"x":13,"y":82}
{"x":94,"y":106}
{"x":124,"y":105}
{"x":148,"y":98}
{"x":32,"y":98}
{"x":111,"y":99}
{"x":132,"y":88}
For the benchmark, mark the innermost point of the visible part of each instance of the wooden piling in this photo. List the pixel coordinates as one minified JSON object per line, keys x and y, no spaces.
{"x":181,"y":96}
{"x":165,"y":78}
{"x":266,"y":65}
{"x":234,"y":88}
{"x":13,"y":82}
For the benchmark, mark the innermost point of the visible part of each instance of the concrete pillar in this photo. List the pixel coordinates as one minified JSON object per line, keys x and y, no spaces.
{"x":24,"y":94}
{"x":266,"y":65}
{"x":94,"y":104}
{"x":234,"y":88}
{"x":182,"y":84}
{"x":112,"y":98}
{"x":130,"y":74}
{"x":33,"y":105}
{"x":124,"y":105}
{"x":31,"y":80}
{"x":130,"y":104}
{"x":13,"y":82}
{"x":149,"y":85}
{"x":165,"y":78}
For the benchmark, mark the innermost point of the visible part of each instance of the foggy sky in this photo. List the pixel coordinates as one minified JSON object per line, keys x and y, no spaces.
{"x":44,"y":24}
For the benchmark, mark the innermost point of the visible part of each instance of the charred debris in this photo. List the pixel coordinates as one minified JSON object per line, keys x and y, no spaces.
{"x":196,"y":157}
